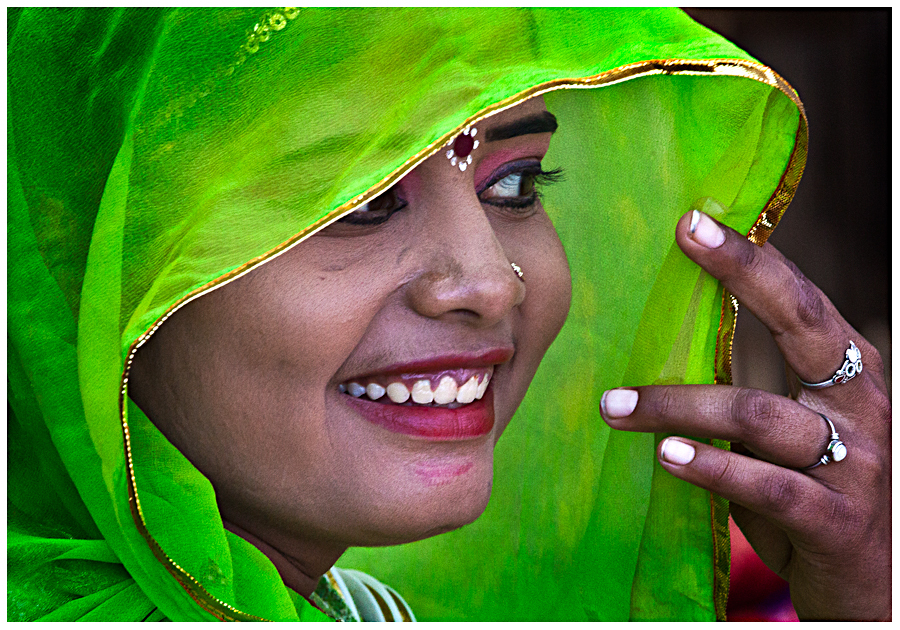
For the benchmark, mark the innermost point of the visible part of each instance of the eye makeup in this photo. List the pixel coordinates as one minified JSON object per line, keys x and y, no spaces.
{"x":517,"y":184}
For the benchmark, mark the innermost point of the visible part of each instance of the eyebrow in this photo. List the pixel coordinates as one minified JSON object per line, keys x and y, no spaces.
{"x":539,"y":123}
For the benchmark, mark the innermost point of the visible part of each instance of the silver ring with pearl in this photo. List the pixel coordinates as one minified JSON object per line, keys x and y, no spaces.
{"x":835,"y":451}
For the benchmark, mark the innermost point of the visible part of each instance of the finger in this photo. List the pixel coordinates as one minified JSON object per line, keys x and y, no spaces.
{"x":788,"y":499}
{"x":771,"y":544}
{"x":775,"y":428}
{"x":807,"y":328}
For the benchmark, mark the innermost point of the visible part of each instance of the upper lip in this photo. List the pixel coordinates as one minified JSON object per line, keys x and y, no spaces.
{"x":478,"y":359}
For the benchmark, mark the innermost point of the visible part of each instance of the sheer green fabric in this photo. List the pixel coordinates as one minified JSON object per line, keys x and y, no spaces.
{"x":156,"y":154}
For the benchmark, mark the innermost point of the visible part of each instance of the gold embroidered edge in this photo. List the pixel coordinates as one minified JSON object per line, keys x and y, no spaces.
{"x":678,"y":67}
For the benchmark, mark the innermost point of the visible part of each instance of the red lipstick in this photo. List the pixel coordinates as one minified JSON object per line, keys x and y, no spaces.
{"x":439,"y":424}
{"x":446,"y":362}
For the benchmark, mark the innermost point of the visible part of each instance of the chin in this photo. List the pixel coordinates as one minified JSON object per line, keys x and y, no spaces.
{"x":442,"y":494}
{"x":418,"y":528}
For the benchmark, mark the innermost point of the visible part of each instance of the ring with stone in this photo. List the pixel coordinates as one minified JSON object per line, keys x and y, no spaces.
{"x":851,"y":367}
{"x":835,"y":451}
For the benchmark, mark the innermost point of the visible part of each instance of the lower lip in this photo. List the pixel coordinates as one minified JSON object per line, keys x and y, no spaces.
{"x":438,"y":424}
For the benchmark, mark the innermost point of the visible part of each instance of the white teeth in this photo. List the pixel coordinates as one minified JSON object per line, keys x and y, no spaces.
{"x":398,"y":393}
{"x":421,"y":392}
{"x":356,"y":390}
{"x":467,"y":392}
{"x":374,"y":391}
{"x":482,"y":386}
{"x":446,"y":391}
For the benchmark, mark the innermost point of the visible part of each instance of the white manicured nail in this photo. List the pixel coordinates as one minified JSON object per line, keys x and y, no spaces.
{"x":677,"y":452}
{"x":705,"y":231}
{"x":618,"y":403}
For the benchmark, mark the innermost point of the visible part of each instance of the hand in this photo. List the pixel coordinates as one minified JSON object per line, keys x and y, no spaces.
{"x":826,"y":530}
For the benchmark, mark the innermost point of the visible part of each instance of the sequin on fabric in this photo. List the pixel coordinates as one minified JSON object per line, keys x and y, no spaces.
{"x":269,"y":23}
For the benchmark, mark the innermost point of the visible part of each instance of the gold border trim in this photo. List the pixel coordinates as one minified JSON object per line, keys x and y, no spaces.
{"x":686,"y":67}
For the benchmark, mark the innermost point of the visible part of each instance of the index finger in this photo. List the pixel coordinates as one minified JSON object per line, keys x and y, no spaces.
{"x":807,"y":328}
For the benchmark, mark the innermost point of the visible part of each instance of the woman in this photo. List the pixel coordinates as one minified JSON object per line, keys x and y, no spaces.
{"x":255,"y":233}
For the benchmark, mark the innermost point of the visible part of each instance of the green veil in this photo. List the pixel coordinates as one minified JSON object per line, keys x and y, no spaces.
{"x":155,"y":155}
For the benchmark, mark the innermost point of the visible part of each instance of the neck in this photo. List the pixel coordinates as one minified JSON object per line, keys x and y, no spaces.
{"x":300,"y":574}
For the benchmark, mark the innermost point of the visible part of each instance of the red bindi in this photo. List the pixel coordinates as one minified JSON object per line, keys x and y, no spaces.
{"x":460,"y":153}
{"x":463,"y":145}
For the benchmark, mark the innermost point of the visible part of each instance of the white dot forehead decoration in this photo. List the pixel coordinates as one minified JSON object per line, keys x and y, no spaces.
{"x":461,"y":147}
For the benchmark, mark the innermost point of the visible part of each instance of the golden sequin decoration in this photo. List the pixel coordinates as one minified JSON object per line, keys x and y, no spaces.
{"x":269,"y":23}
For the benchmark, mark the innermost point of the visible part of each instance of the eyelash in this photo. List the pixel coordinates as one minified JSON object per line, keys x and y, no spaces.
{"x":388,"y":203}
{"x":391,"y":202}
{"x":531,"y":169}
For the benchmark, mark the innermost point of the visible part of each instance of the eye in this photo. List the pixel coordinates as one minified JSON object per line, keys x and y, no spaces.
{"x":514,"y":185}
{"x":517,"y":184}
{"x":376,"y":211}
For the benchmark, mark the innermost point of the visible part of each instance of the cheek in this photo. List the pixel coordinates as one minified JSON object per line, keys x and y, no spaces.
{"x":548,"y":282}
{"x":266,"y":347}
{"x":310,"y":315}
{"x":273,"y":342}
{"x":537,"y":249}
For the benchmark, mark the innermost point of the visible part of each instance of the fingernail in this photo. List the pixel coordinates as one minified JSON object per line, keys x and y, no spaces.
{"x":705,"y":231}
{"x":677,"y":452}
{"x":618,"y":403}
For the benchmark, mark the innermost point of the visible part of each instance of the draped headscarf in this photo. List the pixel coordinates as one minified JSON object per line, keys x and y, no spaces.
{"x":157,"y":154}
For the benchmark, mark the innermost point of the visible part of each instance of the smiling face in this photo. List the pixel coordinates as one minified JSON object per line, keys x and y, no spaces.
{"x":338,"y":395}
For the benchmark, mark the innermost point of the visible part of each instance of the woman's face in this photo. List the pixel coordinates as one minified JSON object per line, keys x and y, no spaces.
{"x":258,"y":383}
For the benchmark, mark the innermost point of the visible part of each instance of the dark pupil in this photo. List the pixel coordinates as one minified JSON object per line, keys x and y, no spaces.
{"x":526,"y":188}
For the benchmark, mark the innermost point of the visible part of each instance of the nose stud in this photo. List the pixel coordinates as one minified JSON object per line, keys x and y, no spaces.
{"x":518,"y":271}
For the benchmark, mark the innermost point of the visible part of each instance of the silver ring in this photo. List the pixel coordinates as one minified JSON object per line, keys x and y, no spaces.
{"x":851,"y":367}
{"x":835,"y":451}
{"x":518,"y":270}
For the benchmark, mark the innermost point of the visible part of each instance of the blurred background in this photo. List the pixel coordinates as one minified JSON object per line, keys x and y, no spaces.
{"x":837,"y":230}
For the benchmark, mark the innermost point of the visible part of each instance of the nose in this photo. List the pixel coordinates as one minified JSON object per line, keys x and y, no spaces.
{"x":466,"y":274}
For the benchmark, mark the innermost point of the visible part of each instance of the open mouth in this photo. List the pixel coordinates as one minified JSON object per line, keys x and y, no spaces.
{"x":440,"y":398}
{"x":441,"y":406}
